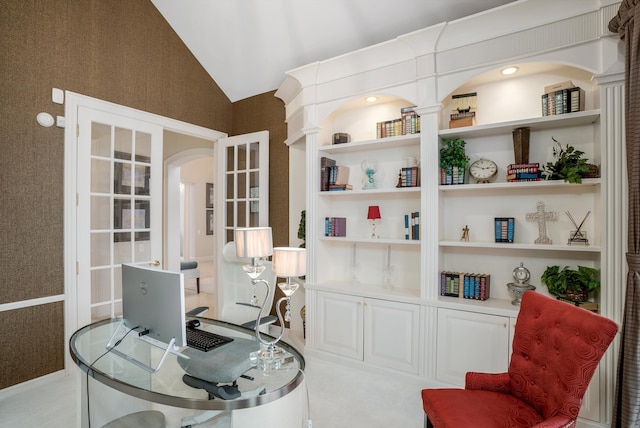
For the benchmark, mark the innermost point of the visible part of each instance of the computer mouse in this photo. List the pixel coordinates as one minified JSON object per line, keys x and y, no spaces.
{"x":193,"y":323}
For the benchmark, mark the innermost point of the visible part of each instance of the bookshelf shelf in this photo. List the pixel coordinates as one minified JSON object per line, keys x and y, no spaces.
{"x":543,"y":186}
{"x":400,"y":192}
{"x":535,"y":124}
{"x":371,"y":290}
{"x":521,"y":246}
{"x":380,"y":241}
{"x":377,"y":144}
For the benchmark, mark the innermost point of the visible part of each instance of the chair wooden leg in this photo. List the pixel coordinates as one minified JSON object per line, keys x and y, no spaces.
{"x":198,"y":285}
{"x":427,"y":422}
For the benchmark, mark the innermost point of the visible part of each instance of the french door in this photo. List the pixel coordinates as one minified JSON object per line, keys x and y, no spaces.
{"x":242,"y":190}
{"x":243,"y":182}
{"x":119,"y":206}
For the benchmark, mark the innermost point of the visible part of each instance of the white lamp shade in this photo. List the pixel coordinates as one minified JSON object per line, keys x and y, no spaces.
{"x":252,"y":242}
{"x":289,"y":261}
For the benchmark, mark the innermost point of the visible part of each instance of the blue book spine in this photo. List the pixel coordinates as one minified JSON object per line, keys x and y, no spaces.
{"x":510,"y":227}
{"x":406,"y":226}
{"x":466,"y":286}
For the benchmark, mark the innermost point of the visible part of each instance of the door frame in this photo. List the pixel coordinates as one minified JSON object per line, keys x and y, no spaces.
{"x":72,"y":102}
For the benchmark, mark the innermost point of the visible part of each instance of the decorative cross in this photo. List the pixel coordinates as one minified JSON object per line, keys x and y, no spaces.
{"x":542,"y":217}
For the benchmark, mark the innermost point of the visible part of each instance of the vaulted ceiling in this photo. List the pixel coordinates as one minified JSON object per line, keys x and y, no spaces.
{"x":248,"y":45}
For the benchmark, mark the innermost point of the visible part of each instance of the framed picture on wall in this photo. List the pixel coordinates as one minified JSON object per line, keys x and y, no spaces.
{"x":209,"y":222}
{"x":209,"y":195}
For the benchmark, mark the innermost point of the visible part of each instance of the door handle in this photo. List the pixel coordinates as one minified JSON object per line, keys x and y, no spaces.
{"x":155,"y":263}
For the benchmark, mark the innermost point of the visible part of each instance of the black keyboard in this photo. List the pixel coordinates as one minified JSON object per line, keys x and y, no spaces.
{"x":205,"y":340}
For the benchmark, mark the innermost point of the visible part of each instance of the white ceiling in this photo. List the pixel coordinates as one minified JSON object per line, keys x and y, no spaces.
{"x":248,"y":45}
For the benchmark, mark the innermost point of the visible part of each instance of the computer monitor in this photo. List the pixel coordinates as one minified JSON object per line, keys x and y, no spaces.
{"x":153,"y":301}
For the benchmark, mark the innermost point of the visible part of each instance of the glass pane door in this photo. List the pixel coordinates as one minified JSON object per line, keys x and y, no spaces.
{"x":119,"y":206}
{"x":245,"y":182}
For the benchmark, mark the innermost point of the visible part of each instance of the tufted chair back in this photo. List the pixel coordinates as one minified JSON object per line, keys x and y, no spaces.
{"x":556,"y":349}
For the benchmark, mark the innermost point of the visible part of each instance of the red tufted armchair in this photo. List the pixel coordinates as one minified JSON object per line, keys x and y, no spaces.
{"x":556,"y":349}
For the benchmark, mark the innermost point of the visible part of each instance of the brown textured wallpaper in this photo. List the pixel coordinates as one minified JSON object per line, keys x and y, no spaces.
{"x":121,"y":51}
{"x":257,"y":113}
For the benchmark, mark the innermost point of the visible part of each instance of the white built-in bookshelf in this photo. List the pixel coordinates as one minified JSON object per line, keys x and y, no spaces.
{"x":377,"y":302}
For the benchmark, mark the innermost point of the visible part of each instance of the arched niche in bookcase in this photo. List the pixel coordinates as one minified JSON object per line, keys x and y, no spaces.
{"x":504,"y":104}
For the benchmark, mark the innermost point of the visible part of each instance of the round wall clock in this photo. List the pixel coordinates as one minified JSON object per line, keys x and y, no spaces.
{"x":483,"y":170}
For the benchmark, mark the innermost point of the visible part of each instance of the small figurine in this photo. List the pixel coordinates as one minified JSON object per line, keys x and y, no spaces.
{"x":465,"y":233}
{"x":541,"y":217}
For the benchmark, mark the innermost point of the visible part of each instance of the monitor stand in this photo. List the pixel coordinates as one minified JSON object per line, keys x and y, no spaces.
{"x":168,"y":348}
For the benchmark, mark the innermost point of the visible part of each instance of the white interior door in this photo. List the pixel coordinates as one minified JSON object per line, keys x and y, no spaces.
{"x":119,"y":206}
{"x":242,"y":189}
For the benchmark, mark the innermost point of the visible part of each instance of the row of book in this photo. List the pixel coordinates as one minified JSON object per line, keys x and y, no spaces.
{"x":408,"y":123}
{"x":562,"y":98}
{"x":454,"y":176}
{"x":412,"y":226}
{"x":504,"y":229}
{"x":476,"y":286}
{"x":332,"y":176}
{"x":335,"y":226}
{"x":409,"y":177}
{"x":524,"y":172}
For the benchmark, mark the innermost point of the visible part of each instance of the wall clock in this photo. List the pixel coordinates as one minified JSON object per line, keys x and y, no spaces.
{"x":483,"y":170}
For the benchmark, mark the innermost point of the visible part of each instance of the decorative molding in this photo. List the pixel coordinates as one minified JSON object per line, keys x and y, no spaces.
{"x":29,"y":303}
{"x":552,"y":36}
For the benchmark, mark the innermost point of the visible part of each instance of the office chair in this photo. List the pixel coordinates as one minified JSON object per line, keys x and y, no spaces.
{"x":237,"y":292}
{"x":556,"y":349}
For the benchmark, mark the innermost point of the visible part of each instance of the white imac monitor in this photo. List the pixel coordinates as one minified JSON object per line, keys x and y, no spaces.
{"x":153,"y":301}
{"x":153,"y":306}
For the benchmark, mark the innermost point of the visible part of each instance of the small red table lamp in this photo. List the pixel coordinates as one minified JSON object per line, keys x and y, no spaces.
{"x":373,"y":216}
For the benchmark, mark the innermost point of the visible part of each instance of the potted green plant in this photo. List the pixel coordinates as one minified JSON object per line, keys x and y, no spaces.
{"x":453,"y":161}
{"x":569,"y":164}
{"x":574,"y":284}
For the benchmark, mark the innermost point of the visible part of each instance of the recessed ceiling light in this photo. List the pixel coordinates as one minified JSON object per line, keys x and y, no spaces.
{"x":371,"y":99}
{"x":509,"y":70}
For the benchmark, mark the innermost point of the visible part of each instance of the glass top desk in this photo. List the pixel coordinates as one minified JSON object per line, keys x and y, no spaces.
{"x":166,"y":386}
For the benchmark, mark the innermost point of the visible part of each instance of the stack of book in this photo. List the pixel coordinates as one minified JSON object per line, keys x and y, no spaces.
{"x":455,"y":177}
{"x":335,"y":226}
{"x":408,"y":123}
{"x":325,"y":165}
{"x":409,"y":177}
{"x":504,"y":229}
{"x":332,"y":176}
{"x":562,"y":98}
{"x":474,"y":286}
{"x":463,"y":110}
{"x":523,"y":172}
{"x":412,"y":226}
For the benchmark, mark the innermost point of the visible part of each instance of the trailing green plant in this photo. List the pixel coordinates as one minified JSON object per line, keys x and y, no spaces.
{"x":302,"y":234}
{"x":569,"y":164}
{"x":559,"y":281}
{"x":452,"y":154}
{"x":302,"y":228}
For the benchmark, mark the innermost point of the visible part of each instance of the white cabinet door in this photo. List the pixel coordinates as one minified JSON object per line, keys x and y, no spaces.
{"x":340,"y":325}
{"x":392,"y":334}
{"x":469,"y":341}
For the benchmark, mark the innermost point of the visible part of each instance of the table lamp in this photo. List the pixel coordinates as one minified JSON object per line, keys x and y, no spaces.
{"x":254,"y":243}
{"x":373,"y":216}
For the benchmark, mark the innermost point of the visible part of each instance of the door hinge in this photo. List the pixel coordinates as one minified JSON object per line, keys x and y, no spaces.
{"x":77,"y":129}
{"x":77,"y":268}
{"x":77,"y":199}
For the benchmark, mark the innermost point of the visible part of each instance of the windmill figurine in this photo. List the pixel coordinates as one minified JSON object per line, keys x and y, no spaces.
{"x":578,"y":236}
